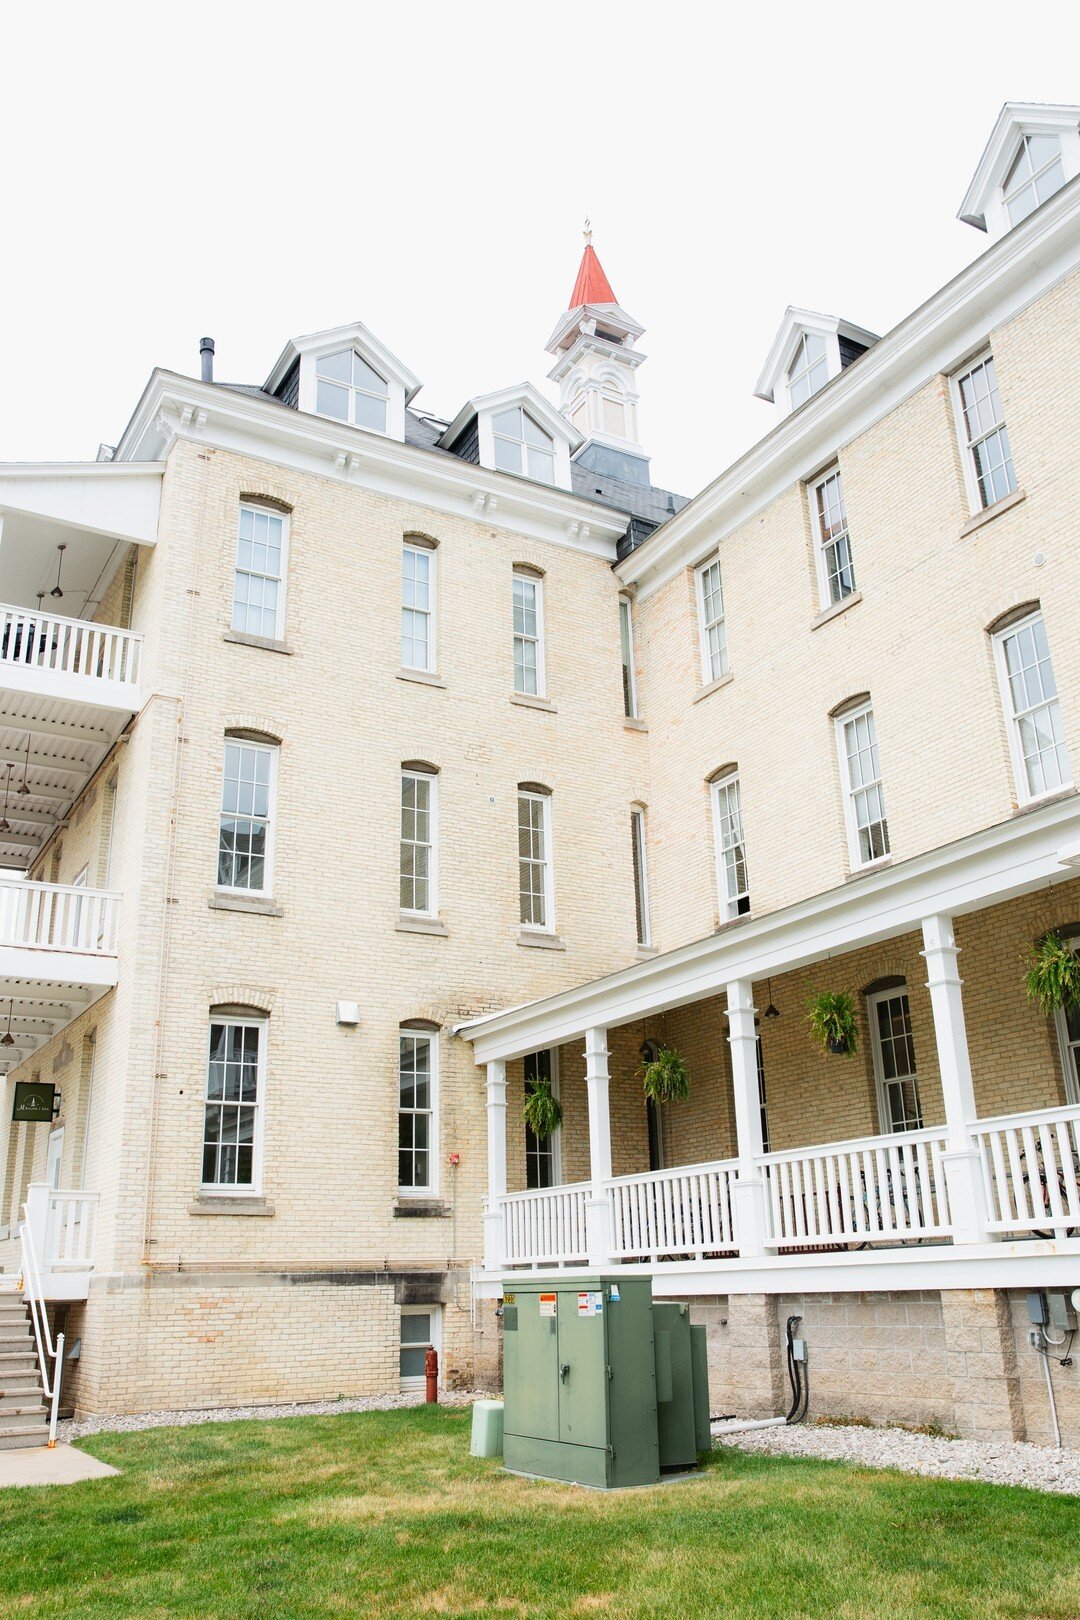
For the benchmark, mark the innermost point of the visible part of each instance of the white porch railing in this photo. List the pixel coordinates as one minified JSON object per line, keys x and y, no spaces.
{"x":31,"y":639}
{"x":882,"y":1189}
{"x":1031,"y":1166}
{"x":545,"y":1227}
{"x":59,"y":917}
{"x":62,"y":1226}
{"x":682,"y":1214}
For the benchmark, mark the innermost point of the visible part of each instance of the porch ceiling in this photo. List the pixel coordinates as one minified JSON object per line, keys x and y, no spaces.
{"x":39,"y":1008}
{"x":67,"y":742}
{"x":997,"y":864}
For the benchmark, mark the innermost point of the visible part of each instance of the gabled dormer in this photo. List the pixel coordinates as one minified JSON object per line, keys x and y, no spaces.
{"x":517,"y":431}
{"x":808,"y":351}
{"x":347,"y":375}
{"x":1034,"y":151}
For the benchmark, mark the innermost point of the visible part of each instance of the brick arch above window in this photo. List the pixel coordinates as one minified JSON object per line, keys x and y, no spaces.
{"x":533,"y":570}
{"x":887,"y":981}
{"x":1012,"y":615}
{"x":855,"y":701}
{"x":730,"y":769}
{"x":416,"y":537}
{"x":423,"y":765}
{"x":255,"y":728}
{"x":534,"y":787}
{"x":259,"y":498}
{"x":427,"y":1026}
{"x":242,"y":999}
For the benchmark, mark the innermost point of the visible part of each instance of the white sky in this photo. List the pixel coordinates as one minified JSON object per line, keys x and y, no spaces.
{"x":254,"y":171}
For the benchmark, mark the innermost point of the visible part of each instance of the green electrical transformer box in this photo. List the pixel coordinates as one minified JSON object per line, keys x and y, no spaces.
{"x":600,"y":1386}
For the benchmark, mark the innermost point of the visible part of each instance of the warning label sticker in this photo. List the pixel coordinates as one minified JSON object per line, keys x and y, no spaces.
{"x":547,"y":1304}
{"x":590,"y":1304}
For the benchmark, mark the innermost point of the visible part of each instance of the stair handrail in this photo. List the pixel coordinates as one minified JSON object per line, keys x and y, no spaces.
{"x":34,"y":1293}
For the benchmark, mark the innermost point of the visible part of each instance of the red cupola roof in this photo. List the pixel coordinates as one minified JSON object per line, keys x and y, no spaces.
{"x":591,"y":286}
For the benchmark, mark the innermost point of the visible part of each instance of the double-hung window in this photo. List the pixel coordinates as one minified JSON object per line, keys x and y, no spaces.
{"x":984,"y":437}
{"x":714,"y":654}
{"x":1032,"y":710}
{"x":864,"y":792}
{"x":522,"y":446}
{"x":626,"y":643}
{"x":232,"y":1112}
{"x":535,"y":880}
{"x":528,"y":633}
{"x":417,"y":1083}
{"x":894,"y":1063}
{"x":417,"y":607}
{"x":246,"y":825}
{"x":347,"y":388}
{"x":419,"y":792}
{"x":836,"y":574}
{"x":641,"y":876}
{"x":541,"y":1152}
{"x":259,"y":577}
{"x":731,"y":880}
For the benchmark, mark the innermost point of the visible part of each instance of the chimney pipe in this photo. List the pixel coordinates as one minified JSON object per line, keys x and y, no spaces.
{"x":206,"y":357}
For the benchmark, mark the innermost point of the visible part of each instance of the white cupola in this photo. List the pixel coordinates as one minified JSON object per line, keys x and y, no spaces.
{"x":1033,"y":151}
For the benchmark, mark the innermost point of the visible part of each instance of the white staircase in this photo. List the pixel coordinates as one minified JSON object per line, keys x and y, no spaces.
{"x":24,"y":1417}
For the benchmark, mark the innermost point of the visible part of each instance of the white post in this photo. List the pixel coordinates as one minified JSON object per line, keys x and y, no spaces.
{"x":748,"y":1193}
{"x":496,"y":1152}
{"x":962,"y":1162}
{"x":597,"y":1211}
{"x":37,"y":1218}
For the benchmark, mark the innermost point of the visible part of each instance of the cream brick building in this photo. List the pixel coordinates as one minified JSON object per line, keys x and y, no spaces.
{"x":383,"y":766}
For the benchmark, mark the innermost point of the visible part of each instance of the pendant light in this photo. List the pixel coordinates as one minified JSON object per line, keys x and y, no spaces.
{"x":771,"y":1011}
{"x":24,"y":789}
{"x":56,"y":591}
{"x":8,"y":1039}
{"x":5,"y":824}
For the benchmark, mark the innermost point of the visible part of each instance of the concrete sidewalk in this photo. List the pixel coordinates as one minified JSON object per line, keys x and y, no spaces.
{"x":38,"y":1465}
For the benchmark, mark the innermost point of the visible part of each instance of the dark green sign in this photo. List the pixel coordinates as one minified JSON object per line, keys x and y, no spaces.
{"x":34,"y":1102}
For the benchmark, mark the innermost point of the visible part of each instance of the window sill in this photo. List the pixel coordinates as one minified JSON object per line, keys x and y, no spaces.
{"x":988,"y":513}
{"x":423,"y":677}
{"x":632,"y":723}
{"x":647,"y":952}
{"x":1044,"y":799}
{"x":541,"y":942}
{"x":525,"y":700}
{"x":267,"y":643}
{"x":258,"y":906}
{"x":421,"y":925}
{"x":714,"y":686}
{"x":834,"y":612}
{"x":227,"y":1204}
{"x":421,"y":1207}
{"x":869,"y":869}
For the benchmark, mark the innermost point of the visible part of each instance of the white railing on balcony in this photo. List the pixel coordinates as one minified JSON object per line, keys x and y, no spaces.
{"x":881,"y":1189}
{"x":545,"y":1227}
{"x":682,"y":1214}
{"x":59,"y":917}
{"x":62,"y":1225}
{"x":31,"y":639}
{"x":1031,"y":1167}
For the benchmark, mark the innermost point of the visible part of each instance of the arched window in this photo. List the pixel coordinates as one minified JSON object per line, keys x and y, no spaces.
{"x":234,"y":1100}
{"x":536,"y":883}
{"x":1032,"y":708}
{"x":350,"y":390}
{"x":418,"y":1080}
{"x":732,"y":883}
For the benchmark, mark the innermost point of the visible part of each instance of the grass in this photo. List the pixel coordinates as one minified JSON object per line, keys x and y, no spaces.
{"x":386,"y":1514}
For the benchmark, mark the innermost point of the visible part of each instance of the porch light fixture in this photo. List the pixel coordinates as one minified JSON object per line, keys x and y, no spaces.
{"x":56,"y":591}
{"x":24,"y":789}
{"x":5,"y":824}
{"x":771,"y":1011}
{"x":8,"y":1039}
{"x":647,"y":1051}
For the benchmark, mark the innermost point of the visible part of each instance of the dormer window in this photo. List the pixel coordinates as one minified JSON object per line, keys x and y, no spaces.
{"x":808,"y":351}
{"x":522,"y":446}
{"x":809,"y":370}
{"x":1036,"y":173}
{"x":350,"y":390}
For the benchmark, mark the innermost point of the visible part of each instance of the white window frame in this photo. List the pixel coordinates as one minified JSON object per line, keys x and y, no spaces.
{"x":281,"y":578}
{"x":802,"y":347}
{"x":524,"y":468}
{"x":408,"y":1385}
{"x":851,"y":820}
{"x":273,"y":750}
{"x":968,"y":445}
{"x":639,"y":850}
{"x":823,"y":542}
{"x":431,"y":1036}
{"x":720,"y":790}
{"x":1024,"y":792}
{"x":353,"y":389}
{"x":888,"y":1128}
{"x":528,"y":577}
{"x":705,"y":624}
{"x":418,"y":549}
{"x":547,"y":863}
{"x":555,"y":1139}
{"x":410,"y":773}
{"x":232,"y":1189}
{"x":1033,"y":179}
{"x":1070,"y":1063}
{"x":627,"y":657}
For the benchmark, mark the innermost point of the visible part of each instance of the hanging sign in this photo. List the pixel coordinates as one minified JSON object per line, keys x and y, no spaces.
{"x":34,"y":1102}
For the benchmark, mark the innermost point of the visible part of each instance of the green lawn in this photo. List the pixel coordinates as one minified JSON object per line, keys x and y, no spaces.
{"x":386,"y":1514}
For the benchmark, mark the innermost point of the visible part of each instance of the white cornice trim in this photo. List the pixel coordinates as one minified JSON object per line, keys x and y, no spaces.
{"x":991,"y":866}
{"x":102,"y":470}
{"x":585,"y":314}
{"x":934,"y":338}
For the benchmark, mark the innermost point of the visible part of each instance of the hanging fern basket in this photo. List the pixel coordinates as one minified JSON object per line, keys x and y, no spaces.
{"x":666,"y":1078}
{"x":542,"y":1112}
{"x":1053,"y":976}
{"x":832,"y":1022}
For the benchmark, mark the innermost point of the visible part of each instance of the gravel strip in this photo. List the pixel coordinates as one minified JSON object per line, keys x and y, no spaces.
{"x":994,"y":1462}
{"x":67,"y":1430}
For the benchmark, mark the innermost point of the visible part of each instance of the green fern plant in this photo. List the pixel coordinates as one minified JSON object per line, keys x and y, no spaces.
{"x":542,"y":1112}
{"x":832,"y":1022}
{"x":665,"y":1077}
{"x":1053,"y":976}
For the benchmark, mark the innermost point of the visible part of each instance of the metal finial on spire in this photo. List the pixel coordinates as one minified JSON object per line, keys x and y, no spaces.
{"x":588,"y":231}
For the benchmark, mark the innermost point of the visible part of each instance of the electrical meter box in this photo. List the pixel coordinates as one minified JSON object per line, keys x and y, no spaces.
{"x":599,"y":1389}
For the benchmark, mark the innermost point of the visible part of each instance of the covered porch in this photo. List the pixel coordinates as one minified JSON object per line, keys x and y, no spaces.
{"x":943,"y":1152}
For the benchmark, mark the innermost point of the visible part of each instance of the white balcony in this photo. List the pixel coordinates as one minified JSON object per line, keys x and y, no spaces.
{"x":58,"y":955}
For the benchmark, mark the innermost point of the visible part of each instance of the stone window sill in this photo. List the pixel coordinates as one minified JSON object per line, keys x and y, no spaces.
{"x":257,"y":905}
{"x":988,"y":514}
{"x":421,"y":925}
{"x":406,"y":1208}
{"x":1044,"y":799}
{"x":267,"y":643}
{"x":541,"y":942}
{"x":222,"y":1204}
{"x":422,"y":677}
{"x":869,"y":869}
{"x":525,"y":700}
{"x":632,"y":723}
{"x":714,"y":686}
{"x":834,"y":612}
{"x":647,"y":952}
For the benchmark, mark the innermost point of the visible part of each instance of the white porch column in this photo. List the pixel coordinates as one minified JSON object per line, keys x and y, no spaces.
{"x":496,"y":1152}
{"x":748,"y":1194}
{"x":597,"y":1211}
{"x":962,"y":1162}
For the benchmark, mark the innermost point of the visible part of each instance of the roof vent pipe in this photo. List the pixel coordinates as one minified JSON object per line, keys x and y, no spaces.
{"x":206,"y":357}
